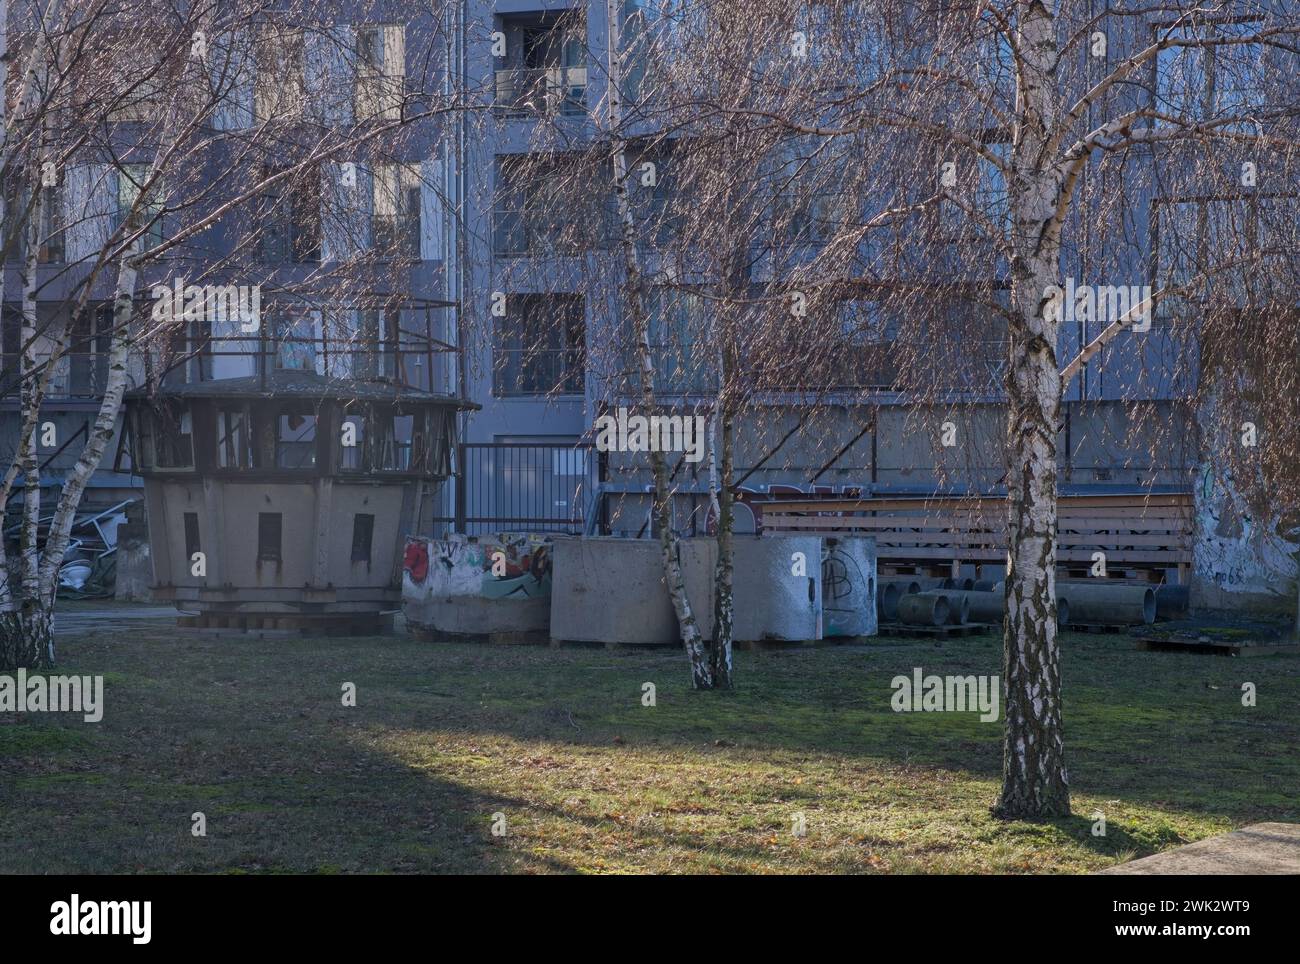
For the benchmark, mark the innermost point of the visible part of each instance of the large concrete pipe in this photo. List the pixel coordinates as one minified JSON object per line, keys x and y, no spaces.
{"x":929,"y":582}
{"x":990,"y":607}
{"x":958,"y":605}
{"x":900,"y":587}
{"x":904,"y":586}
{"x":917,"y":609}
{"x":887,"y":596}
{"x":984,"y":585}
{"x":982,"y":607}
{"x":965,"y":584}
{"x":1113,"y":604}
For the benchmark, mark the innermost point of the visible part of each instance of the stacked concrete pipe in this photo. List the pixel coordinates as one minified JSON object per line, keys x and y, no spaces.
{"x":958,"y":604}
{"x":981,"y":607}
{"x":988,"y":606}
{"x":1108,"y":603}
{"x":922,"y":609}
{"x":889,"y":592}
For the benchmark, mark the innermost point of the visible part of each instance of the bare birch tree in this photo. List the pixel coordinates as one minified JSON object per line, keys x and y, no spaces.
{"x":969,"y":164}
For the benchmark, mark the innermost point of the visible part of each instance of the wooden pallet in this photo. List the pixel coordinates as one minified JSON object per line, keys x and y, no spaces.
{"x":935,"y":632}
{"x":1218,"y":647}
{"x":1105,"y":629}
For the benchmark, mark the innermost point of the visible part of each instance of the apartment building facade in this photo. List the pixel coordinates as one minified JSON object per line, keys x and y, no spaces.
{"x":519,"y":328}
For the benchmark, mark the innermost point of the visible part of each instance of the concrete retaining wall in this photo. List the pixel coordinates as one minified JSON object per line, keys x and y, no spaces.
{"x":1242,"y":559}
{"x":610,"y":590}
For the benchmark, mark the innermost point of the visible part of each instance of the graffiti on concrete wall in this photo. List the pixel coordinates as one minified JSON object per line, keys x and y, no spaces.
{"x":505,"y":566}
{"x":1235,"y":549}
{"x":848,"y":588}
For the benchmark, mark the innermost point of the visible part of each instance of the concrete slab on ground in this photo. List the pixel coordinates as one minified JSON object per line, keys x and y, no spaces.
{"x":110,"y":619}
{"x":1262,"y":848}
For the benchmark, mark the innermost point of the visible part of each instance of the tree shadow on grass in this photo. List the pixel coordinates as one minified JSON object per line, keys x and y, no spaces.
{"x":252,"y":733}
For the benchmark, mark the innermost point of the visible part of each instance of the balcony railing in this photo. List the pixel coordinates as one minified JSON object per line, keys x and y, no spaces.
{"x":522,"y":92}
{"x":77,"y":375}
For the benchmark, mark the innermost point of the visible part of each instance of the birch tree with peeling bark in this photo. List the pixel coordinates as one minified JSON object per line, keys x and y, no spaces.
{"x":1055,"y":102}
{"x":637,"y":317}
{"x":970,"y":163}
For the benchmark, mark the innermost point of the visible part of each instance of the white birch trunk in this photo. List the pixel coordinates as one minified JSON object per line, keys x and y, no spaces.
{"x":27,"y":455}
{"x":101,"y":433}
{"x":636,"y":305}
{"x":1033,"y":773}
{"x":723,"y":600}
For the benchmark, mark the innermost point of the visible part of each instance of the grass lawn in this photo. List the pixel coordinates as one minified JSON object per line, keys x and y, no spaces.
{"x":253,"y":734}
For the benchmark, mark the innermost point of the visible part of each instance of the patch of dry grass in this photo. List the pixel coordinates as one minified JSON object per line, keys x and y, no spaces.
{"x":445,"y":736}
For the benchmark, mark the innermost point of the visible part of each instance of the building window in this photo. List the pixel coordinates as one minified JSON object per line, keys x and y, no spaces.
{"x":396,"y":218}
{"x":49,"y":233}
{"x":545,"y":67}
{"x":677,"y":322}
{"x":295,"y":440}
{"x":142,"y":99}
{"x":279,"y":89}
{"x":88,"y":354}
{"x":295,"y":342}
{"x":363,"y":530}
{"x":131,"y":179}
{"x":1202,"y":83}
{"x":375,"y":351}
{"x":540,"y":346}
{"x":166,"y":437}
{"x":1196,"y":235}
{"x":381,"y":72}
{"x":353,"y":442}
{"x":192,"y":543}
{"x":234,"y":438}
{"x":268,"y":536}
{"x":289,"y":218}
{"x":542,"y":206}
{"x":386,"y":440}
{"x":813,"y":203}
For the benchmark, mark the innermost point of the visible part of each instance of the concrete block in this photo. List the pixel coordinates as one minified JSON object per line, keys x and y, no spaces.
{"x":849,"y":586}
{"x":611,"y":590}
{"x":770,"y":601}
{"x":481,"y":586}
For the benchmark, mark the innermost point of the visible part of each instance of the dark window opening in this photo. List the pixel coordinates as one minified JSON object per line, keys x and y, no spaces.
{"x":268,"y":536}
{"x":295,"y":441}
{"x":363,"y":530}
{"x":539,"y":208}
{"x":290,"y":218}
{"x":19,"y":207}
{"x":234,"y":438}
{"x":544,"y":70}
{"x":192,"y":543}
{"x":541,"y":346}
